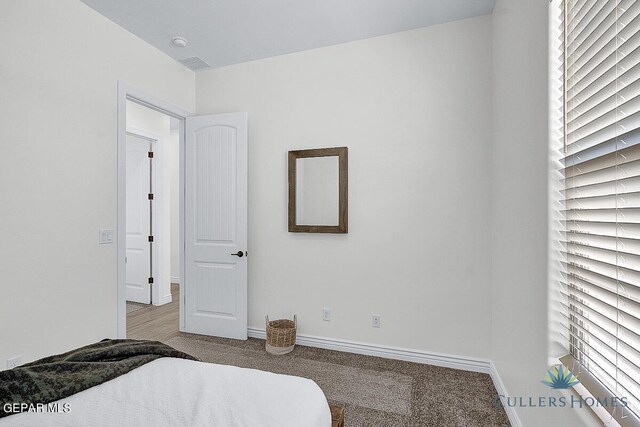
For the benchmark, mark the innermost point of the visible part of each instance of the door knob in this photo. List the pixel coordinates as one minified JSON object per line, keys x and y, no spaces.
{"x":240,"y":254}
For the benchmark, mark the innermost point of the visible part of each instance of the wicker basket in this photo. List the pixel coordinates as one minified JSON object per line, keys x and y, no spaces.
{"x":281,"y":335}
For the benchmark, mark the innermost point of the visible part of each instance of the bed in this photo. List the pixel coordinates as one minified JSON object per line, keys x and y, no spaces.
{"x":177,"y":391}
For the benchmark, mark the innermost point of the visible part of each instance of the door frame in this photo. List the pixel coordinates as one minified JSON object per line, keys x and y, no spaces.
{"x":127,"y":92}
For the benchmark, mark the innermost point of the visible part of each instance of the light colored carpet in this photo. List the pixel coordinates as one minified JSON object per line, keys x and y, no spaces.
{"x":134,"y":306}
{"x":374,"y":391}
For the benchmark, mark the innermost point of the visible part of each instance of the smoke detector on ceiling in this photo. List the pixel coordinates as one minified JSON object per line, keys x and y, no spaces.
{"x":179,"y":41}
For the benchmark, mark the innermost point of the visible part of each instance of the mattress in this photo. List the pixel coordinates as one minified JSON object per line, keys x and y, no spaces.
{"x":178,"y":392}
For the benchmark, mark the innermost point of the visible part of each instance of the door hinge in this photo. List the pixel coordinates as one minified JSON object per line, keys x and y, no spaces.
{"x":150,"y":280}
{"x":150,"y":196}
{"x":150,"y":238}
{"x":151,"y":154}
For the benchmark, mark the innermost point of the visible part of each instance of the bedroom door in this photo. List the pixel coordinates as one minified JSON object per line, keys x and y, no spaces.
{"x":215,"y":225}
{"x":138,"y":258}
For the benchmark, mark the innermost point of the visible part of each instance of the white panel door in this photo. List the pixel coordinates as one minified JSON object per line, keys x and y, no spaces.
{"x":138,"y":220}
{"x":215,"y":212}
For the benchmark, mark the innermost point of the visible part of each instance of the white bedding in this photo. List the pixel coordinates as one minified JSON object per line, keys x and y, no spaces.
{"x":178,"y":392}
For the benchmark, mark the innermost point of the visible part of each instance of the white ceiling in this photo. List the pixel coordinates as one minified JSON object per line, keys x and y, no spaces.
{"x":224,"y":32}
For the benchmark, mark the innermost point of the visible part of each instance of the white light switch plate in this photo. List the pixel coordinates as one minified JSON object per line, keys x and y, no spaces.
{"x":106,"y":236}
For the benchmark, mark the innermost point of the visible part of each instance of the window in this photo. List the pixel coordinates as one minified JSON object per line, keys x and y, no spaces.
{"x":601,"y":66}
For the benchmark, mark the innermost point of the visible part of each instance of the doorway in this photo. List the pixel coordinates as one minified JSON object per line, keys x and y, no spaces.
{"x":209,"y":178}
{"x":152,"y":265}
{"x":150,"y":142}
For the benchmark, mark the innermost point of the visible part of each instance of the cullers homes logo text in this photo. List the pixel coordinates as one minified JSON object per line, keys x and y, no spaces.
{"x":559,"y":377}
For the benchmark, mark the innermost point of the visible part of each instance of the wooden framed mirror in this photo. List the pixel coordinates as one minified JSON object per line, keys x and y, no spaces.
{"x":318,"y":183}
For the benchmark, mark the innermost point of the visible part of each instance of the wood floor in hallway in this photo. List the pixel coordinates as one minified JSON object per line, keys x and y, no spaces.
{"x":158,"y":323}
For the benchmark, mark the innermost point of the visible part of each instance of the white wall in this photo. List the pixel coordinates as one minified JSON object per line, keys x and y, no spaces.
{"x":520,"y":205}
{"x":58,"y":78}
{"x":150,"y":122}
{"x":414,"y":108}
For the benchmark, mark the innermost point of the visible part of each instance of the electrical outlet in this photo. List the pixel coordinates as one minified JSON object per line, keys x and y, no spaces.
{"x":375,"y":321}
{"x":14,"y":361}
{"x":326,"y":314}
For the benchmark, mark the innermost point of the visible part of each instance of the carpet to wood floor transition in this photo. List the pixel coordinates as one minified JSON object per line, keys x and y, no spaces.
{"x":375,"y":392}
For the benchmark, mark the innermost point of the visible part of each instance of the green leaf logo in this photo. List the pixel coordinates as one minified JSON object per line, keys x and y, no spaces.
{"x":560,"y":377}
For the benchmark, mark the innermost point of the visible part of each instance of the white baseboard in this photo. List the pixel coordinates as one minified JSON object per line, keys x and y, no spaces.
{"x":437,"y":359}
{"x":164,"y":300}
{"x":500,"y":388}
{"x":175,"y":279}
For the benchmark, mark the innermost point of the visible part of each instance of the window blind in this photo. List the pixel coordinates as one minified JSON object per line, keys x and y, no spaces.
{"x":601,"y":66}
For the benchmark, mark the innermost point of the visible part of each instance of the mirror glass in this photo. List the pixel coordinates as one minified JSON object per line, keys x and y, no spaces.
{"x":317,"y":190}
